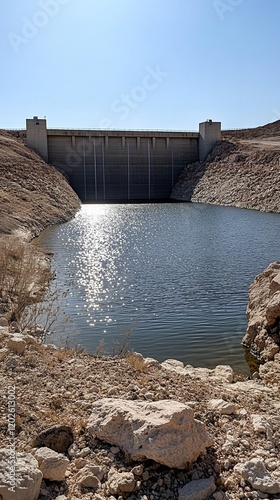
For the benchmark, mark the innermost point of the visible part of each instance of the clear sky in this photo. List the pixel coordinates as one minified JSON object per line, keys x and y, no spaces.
{"x":141,"y":64}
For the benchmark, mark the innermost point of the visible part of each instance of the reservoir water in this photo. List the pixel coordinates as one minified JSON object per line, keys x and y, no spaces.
{"x":174,"y":277}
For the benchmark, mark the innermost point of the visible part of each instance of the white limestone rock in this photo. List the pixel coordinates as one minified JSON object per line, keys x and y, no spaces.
{"x":198,"y":373}
{"x":223,"y":407}
{"x":275,"y":283}
{"x":164,"y":431}
{"x":16,"y":344}
{"x":27,"y":480}
{"x":52,"y":464}
{"x":200,"y":489}
{"x":255,"y":472}
{"x":149,"y":362}
{"x":92,"y":470}
{"x":261,"y":425}
{"x":225,"y":372}
{"x":263,"y":311}
{"x":174,"y":362}
{"x":121,"y":482}
{"x":174,"y":365}
{"x":273,"y":309}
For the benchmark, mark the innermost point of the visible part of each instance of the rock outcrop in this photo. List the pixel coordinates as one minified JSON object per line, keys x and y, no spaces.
{"x":164,"y":431}
{"x":255,"y":472}
{"x":263,"y":335}
{"x":53,"y":465}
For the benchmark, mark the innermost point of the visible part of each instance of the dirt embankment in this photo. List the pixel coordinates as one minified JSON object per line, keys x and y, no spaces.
{"x":33,"y":194}
{"x":242,"y":170}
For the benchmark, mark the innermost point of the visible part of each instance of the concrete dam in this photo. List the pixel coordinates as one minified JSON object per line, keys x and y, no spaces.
{"x":112,"y":166}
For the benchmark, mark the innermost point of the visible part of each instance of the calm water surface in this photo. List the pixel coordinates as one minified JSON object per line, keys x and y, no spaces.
{"x":174,"y":275}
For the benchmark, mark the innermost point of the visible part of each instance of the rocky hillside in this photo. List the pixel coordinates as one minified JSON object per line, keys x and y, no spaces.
{"x":33,"y":194}
{"x":243,"y":170}
{"x":263,"y":312}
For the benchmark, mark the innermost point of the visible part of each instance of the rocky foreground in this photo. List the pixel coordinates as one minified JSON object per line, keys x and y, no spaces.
{"x":90,"y":427}
{"x":242,"y":170}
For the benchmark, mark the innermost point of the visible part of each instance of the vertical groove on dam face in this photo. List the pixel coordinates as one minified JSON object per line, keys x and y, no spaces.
{"x":118,"y":165}
{"x":122,"y":168}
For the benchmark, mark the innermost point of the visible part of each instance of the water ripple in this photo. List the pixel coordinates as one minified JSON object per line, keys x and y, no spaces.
{"x":177,"y":275}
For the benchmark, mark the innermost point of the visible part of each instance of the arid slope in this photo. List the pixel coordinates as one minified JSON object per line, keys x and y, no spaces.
{"x":242,"y":170}
{"x":33,"y":194}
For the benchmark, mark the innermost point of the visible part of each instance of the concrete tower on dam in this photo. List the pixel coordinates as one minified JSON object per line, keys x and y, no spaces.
{"x":110,"y":165}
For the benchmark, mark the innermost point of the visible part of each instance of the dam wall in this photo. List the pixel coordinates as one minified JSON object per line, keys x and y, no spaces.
{"x":110,"y":165}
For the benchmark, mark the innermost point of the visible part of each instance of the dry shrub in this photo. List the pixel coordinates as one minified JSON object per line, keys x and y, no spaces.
{"x":136,"y":361}
{"x":63,"y":353}
{"x":24,"y":275}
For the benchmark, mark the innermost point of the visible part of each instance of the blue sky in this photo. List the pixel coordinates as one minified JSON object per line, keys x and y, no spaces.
{"x":141,"y":64}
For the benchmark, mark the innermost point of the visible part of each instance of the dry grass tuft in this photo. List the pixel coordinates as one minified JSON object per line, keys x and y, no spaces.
{"x":24,"y":276}
{"x":136,"y":361}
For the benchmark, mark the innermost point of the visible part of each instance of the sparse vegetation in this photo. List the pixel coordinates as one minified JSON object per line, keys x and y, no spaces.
{"x":24,"y":276}
{"x":136,"y":361}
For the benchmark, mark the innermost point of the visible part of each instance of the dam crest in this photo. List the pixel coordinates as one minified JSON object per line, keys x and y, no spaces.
{"x":115,"y":165}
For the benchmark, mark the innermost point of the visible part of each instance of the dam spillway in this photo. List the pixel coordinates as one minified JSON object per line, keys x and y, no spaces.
{"x":114,"y":165}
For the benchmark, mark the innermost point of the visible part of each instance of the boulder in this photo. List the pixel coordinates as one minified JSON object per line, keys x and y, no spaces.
{"x":224,"y":372}
{"x":174,"y":365}
{"x":16,"y":344}
{"x":222,"y":407}
{"x":88,"y":480}
{"x":120,"y":482}
{"x":164,"y":431}
{"x":52,"y":464}
{"x":273,"y":309}
{"x":261,"y":425}
{"x":57,"y":437}
{"x":275,"y":283}
{"x":255,"y":472}
{"x":97,"y":471}
{"x":26,"y":483}
{"x":200,"y":489}
{"x":262,"y":335}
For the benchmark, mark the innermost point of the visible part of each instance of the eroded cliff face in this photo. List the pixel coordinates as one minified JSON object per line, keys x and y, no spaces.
{"x":263,"y":335}
{"x":33,"y":194}
{"x":242,"y":170}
